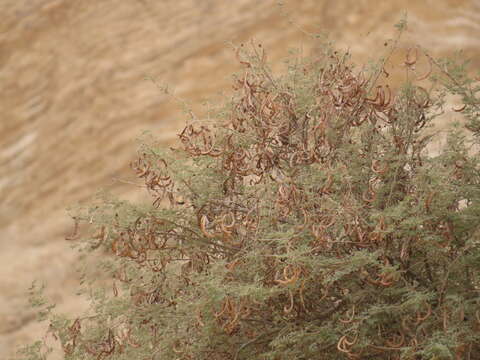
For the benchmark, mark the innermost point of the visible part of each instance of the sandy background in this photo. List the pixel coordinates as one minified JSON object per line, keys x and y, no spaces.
{"x":74,"y":99}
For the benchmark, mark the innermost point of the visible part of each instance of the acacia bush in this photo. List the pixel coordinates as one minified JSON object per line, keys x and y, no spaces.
{"x":307,"y":221}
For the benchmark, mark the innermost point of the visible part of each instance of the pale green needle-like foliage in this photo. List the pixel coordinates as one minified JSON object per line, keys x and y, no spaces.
{"x":306,"y":222}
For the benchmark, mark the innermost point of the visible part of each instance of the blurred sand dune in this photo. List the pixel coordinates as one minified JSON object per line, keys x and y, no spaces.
{"x":74,"y":99}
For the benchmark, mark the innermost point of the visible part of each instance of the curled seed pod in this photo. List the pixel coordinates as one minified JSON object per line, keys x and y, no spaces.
{"x":351,"y":317}
{"x":227,"y":227}
{"x":115,"y":290}
{"x":460,"y":109}
{"x":344,"y":343}
{"x":288,"y":310}
{"x":411,"y":60}
{"x":427,"y":73}
{"x":295,"y":271}
{"x":396,"y":341}
{"x":203,"y":227}
{"x":75,"y":232}
{"x":328,"y":184}
{"x":421,"y":318}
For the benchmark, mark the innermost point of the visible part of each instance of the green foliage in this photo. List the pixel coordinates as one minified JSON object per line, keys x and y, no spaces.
{"x":308,"y":222}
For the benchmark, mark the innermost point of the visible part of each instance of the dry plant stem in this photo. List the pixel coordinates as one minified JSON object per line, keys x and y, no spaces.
{"x":373,"y":80}
{"x":447,"y":74}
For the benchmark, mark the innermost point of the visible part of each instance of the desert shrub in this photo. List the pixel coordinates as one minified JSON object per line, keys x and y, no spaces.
{"x":306,"y":221}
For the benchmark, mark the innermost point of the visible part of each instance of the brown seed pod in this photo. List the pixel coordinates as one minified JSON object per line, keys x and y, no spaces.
{"x":411,"y":60}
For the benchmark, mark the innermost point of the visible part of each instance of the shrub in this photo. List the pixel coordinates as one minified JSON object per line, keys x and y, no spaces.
{"x":306,"y":222}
